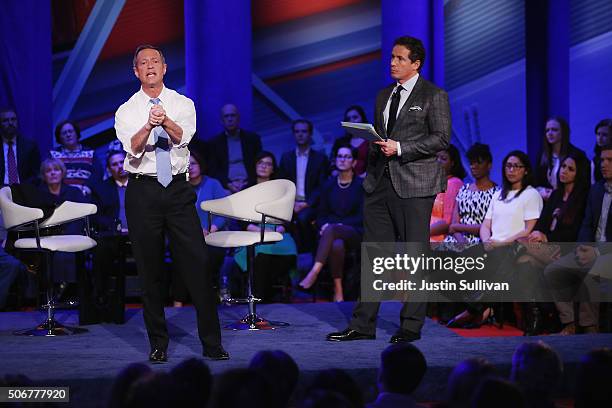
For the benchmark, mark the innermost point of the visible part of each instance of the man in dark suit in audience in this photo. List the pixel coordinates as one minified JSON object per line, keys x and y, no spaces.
{"x":110,"y":194}
{"x":231,"y":154}
{"x":307,"y":168}
{"x":403,"y":176}
{"x":20,"y":157}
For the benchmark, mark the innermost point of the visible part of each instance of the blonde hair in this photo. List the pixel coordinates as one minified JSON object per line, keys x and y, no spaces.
{"x":54,"y":163}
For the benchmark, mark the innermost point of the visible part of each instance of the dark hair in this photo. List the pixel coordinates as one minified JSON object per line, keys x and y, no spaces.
{"x":479,"y":151}
{"x":499,"y":393}
{"x":402,"y":367}
{"x":280,"y":369}
{"x":465,"y":378}
{"x":574,"y":204}
{"x":194,"y":382}
{"x":597,"y":157}
{"x":353,"y":150}
{"x":147,"y":47}
{"x":263,"y":154}
{"x":606,"y":147}
{"x":154,"y":389}
{"x":415,"y":46}
{"x":305,"y":121}
{"x":545,"y":157}
{"x":337,"y":380}
{"x":604,"y":122}
{"x":527,"y":179}
{"x":537,"y":370}
{"x":111,"y":153}
{"x":241,"y":387}
{"x":124,"y":380}
{"x":58,"y":130}
{"x":201,"y":162}
{"x":359,"y":110}
{"x":593,"y":379}
{"x":457,"y":169}
{"x":5,"y":109}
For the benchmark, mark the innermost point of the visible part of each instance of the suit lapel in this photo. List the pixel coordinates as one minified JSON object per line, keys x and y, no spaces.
{"x":381,"y":114}
{"x":418,"y":88}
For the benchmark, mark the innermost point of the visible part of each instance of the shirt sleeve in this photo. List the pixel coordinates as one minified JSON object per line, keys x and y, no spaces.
{"x":489,"y":214}
{"x":186,"y":119}
{"x":533,"y":205}
{"x":125,"y":129}
{"x":399,"y":149}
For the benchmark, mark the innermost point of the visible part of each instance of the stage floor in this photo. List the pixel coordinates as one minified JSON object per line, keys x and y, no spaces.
{"x":88,"y":362}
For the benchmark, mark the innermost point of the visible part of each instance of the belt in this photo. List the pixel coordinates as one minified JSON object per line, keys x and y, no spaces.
{"x":139,"y":176}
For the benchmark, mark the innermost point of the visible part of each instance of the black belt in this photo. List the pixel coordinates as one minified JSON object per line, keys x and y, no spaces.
{"x":180,"y":176}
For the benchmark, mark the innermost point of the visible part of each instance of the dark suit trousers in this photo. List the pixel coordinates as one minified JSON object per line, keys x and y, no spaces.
{"x":154,"y":213}
{"x":390,"y":218}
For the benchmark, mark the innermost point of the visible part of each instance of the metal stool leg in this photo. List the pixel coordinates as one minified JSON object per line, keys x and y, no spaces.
{"x":50,"y":327}
{"x":252,"y":321}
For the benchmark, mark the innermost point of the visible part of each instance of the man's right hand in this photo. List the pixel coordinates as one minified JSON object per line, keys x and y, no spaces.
{"x":156,"y":116}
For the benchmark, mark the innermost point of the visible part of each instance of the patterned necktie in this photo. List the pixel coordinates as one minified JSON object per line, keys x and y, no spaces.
{"x":13,"y":175}
{"x":395,"y":101}
{"x":162,"y":153}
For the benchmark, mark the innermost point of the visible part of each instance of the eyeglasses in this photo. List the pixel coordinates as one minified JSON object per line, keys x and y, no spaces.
{"x":344,"y":156}
{"x":265,"y":164}
{"x":512,"y":166}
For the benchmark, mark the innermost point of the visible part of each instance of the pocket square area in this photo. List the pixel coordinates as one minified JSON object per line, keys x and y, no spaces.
{"x":415,"y":108}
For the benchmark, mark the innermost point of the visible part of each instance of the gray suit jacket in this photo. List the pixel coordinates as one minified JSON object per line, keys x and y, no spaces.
{"x":421,"y":133}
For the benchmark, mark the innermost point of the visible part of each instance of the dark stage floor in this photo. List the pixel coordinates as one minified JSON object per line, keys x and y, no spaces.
{"x":88,"y":362}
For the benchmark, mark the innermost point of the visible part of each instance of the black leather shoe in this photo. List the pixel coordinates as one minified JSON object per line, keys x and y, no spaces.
{"x":216,"y":353}
{"x":158,"y":356}
{"x":349,"y":335}
{"x":404,"y":337}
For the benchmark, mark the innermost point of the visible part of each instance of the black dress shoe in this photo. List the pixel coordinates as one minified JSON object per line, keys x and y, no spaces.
{"x":404,"y":337}
{"x":216,"y":353}
{"x":158,"y":356}
{"x":348,"y":335}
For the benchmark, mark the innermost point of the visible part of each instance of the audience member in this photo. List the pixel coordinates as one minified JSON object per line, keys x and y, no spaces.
{"x":339,"y":381}
{"x":588,"y":264}
{"x":231,"y":154}
{"x":593,"y":380}
{"x":498,"y":393}
{"x":155,"y":390}
{"x":279,"y":369}
{"x":353,"y":114}
{"x":445,"y":202}
{"x":272,"y":261}
{"x":20,"y":157}
{"x":242,"y":387}
{"x":307,"y":168}
{"x":82,"y":168}
{"x":402,"y":367}
{"x":473,"y":199}
{"x":124,"y":380}
{"x":465,"y":379}
{"x":537,"y":370}
{"x":193,"y":382}
{"x":340,"y":220}
{"x":109,"y":195}
{"x":10,"y":269}
{"x":512,"y":214}
{"x":324,"y":399}
{"x":603,"y":136}
{"x":555,"y":146}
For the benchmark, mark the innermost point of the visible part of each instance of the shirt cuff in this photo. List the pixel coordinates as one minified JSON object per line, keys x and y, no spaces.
{"x":399,"y":149}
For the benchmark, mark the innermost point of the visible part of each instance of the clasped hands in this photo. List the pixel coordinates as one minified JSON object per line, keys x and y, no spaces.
{"x":157,"y":116}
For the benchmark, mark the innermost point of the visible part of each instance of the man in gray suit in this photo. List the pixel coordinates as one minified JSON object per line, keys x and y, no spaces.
{"x":403,"y":176}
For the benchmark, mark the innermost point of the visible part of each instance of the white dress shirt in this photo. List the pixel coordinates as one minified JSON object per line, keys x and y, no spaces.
{"x":301,"y":163}
{"x":408,"y":87}
{"x":134,"y":114}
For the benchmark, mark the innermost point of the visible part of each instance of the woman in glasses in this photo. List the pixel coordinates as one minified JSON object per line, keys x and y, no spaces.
{"x":340,"y":221}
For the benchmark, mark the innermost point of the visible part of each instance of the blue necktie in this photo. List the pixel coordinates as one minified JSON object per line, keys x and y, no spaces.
{"x":162,"y":153}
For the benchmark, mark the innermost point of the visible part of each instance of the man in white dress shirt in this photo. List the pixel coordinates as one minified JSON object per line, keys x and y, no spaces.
{"x":155,"y":125}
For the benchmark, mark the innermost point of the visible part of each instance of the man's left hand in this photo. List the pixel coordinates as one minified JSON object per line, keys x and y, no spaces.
{"x":585,"y":255}
{"x":388,"y":148}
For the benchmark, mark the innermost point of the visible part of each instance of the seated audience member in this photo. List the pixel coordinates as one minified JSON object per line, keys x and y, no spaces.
{"x":279,"y":369}
{"x":157,"y":389}
{"x":338,"y":381}
{"x":109,"y":195}
{"x":82,"y":168}
{"x":194,"y":383}
{"x":537,"y":370}
{"x":512,"y":214}
{"x":593,"y":380}
{"x":353,"y":114}
{"x":272,"y":261}
{"x":603,"y":136}
{"x":53,"y":189}
{"x":340,"y":219}
{"x":445,"y":202}
{"x":588,"y":264}
{"x":20,"y":157}
{"x":206,"y":188}
{"x":498,"y":393}
{"x":10,"y":269}
{"x":307,"y":168}
{"x":124,"y":380}
{"x":465,"y":379}
{"x":324,"y":399}
{"x":230,"y":154}
{"x":556,"y":145}
{"x":402,"y":367}
{"x":473,"y":199}
{"x":562,"y":214}
{"x":242,"y":387}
